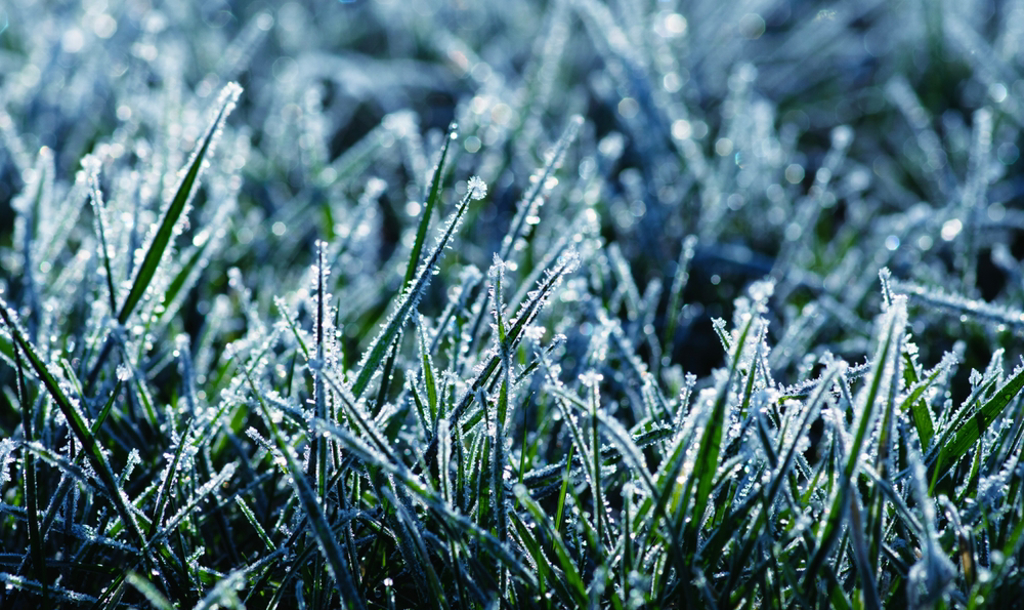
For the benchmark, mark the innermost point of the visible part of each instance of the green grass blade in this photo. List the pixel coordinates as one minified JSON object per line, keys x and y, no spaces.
{"x":182,"y":198}
{"x":574,"y":581}
{"x":532,"y":198}
{"x":251,"y":517}
{"x":682,"y":277}
{"x":149,"y":591}
{"x":316,"y":520}
{"x":101,"y":225}
{"x":318,"y":445}
{"x":893,"y":325}
{"x":429,"y":377}
{"x":65,"y":486}
{"x":410,"y":298}
{"x":195,"y":260}
{"x":969,"y":434}
{"x":526,"y":314}
{"x":77,"y":424}
{"x":171,"y":477}
{"x":433,"y":197}
{"x":545,"y":577}
{"x":566,"y":478}
{"x":706,"y":465}
{"x":919,"y":411}
{"x":30,"y":488}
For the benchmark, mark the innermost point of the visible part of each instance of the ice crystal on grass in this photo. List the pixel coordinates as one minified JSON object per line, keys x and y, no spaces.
{"x":477,"y":188}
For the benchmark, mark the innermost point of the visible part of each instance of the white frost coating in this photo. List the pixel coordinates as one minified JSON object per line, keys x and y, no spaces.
{"x":477,"y":188}
{"x":957,"y":304}
{"x":7,"y":449}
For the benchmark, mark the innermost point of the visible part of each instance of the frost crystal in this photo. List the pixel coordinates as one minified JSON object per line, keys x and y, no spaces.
{"x":7,"y":457}
{"x":477,"y":188}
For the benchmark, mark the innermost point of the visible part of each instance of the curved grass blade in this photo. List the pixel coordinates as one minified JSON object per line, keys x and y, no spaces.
{"x":182,"y":198}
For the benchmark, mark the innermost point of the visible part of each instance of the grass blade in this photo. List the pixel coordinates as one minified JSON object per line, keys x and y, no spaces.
{"x":710,"y":445}
{"x":574,"y":580}
{"x":410,"y":298}
{"x":31,"y":502}
{"x":895,"y":320}
{"x":77,"y":424}
{"x":317,"y":521}
{"x":433,"y":197}
{"x":969,"y":434}
{"x":182,"y":198}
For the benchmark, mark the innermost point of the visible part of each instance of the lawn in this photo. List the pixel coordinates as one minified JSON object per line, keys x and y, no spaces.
{"x":609,"y":304}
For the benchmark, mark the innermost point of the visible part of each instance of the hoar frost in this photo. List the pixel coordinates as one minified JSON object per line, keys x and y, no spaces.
{"x":477,"y":188}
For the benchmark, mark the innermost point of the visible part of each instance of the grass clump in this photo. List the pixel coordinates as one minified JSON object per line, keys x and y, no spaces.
{"x":520,"y":305}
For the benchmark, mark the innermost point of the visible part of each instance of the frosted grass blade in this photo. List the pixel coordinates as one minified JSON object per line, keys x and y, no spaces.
{"x":77,"y":424}
{"x":65,"y":486}
{"x":969,"y":433}
{"x":532,"y":198}
{"x":429,"y":378}
{"x":541,"y":562}
{"x":30,"y":490}
{"x":182,"y":199}
{"x":317,"y":521}
{"x":710,"y":445}
{"x":251,"y":517}
{"x":433,"y":198}
{"x":169,"y":479}
{"x":919,"y":410}
{"x":958,"y":305}
{"x":679,"y":282}
{"x":99,"y":211}
{"x":409,"y":299}
{"x":318,"y":445}
{"x":14,"y":581}
{"x":881,"y":370}
{"x":525,"y":315}
{"x":569,"y":569}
